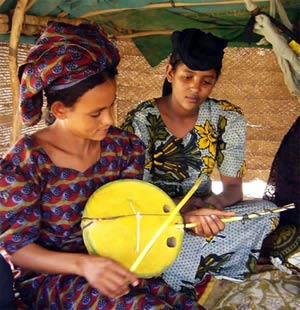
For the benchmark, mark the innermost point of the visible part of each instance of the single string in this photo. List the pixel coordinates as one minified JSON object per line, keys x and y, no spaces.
{"x":225,"y":220}
{"x":138,"y":231}
{"x":138,"y":225}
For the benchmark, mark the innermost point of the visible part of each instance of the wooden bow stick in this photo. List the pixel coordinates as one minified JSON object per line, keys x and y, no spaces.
{"x":244,"y":217}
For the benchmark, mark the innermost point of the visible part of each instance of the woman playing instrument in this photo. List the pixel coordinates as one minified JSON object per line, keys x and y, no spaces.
{"x":186,"y":134}
{"x":47,"y":177}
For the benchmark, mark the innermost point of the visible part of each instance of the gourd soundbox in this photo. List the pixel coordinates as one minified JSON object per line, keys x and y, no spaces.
{"x":121,"y":218}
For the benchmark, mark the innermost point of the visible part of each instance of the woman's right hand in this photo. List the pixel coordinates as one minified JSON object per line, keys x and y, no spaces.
{"x":208,"y":221}
{"x":107,"y":276}
{"x":104,"y":274}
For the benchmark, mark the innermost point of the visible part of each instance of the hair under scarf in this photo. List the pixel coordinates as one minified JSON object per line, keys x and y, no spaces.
{"x":198,"y":50}
{"x":62,"y":56}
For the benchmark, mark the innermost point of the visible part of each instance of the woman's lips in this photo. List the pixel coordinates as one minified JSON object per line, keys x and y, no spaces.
{"x":192,"y":99}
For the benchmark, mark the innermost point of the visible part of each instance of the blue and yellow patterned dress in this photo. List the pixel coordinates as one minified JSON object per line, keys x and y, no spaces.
{"x":217,"y":139}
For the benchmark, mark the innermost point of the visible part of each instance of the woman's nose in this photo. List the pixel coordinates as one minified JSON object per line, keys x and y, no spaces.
{"x":195,"y":85}
{"x":108,"y":117}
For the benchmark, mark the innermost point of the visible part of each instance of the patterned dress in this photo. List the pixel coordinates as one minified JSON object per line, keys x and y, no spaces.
{"x":43,"y":203}
{"x":173,"y":164}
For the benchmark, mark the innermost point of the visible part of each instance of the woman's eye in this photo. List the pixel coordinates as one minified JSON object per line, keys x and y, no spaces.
{"x":207,"y":82}
{"x":95,"y":114}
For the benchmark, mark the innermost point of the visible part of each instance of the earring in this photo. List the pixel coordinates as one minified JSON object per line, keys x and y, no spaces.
{"x":50,"y":118}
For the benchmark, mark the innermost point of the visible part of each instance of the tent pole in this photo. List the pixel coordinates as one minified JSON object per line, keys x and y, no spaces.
{"x":16,"y":28}
{"x":171,"y":4}
{"x":30,"y":3}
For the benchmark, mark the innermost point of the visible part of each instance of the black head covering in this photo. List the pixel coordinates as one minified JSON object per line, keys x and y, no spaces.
{"x":198,"y":50}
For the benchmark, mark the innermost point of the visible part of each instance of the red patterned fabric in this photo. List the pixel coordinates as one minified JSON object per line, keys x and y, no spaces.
{"x":64,"y":54}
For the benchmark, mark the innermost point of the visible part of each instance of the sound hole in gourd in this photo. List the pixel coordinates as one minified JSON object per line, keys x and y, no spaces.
{"x":166,"y":209}
{"x":171,"y":242}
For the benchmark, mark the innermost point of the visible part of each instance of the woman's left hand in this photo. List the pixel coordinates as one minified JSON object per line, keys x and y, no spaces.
{"x":208,"y":221}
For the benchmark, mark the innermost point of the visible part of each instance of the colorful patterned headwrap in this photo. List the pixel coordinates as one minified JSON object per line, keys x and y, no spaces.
{"x":63,"y":56}
{"x":198,"y":50}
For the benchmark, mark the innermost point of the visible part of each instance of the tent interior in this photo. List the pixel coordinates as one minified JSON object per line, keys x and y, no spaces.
{"x":251,"y":78}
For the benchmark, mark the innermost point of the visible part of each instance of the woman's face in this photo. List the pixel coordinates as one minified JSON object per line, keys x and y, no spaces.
{"x":190,"y":88}
{"x":93,"y":113}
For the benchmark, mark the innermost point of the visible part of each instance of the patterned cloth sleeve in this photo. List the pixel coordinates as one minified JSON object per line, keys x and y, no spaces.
{"x":234,"y":136}
{"x":136,"y":123}
{"x":132,"y":158}
{"x":19,"y":199}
